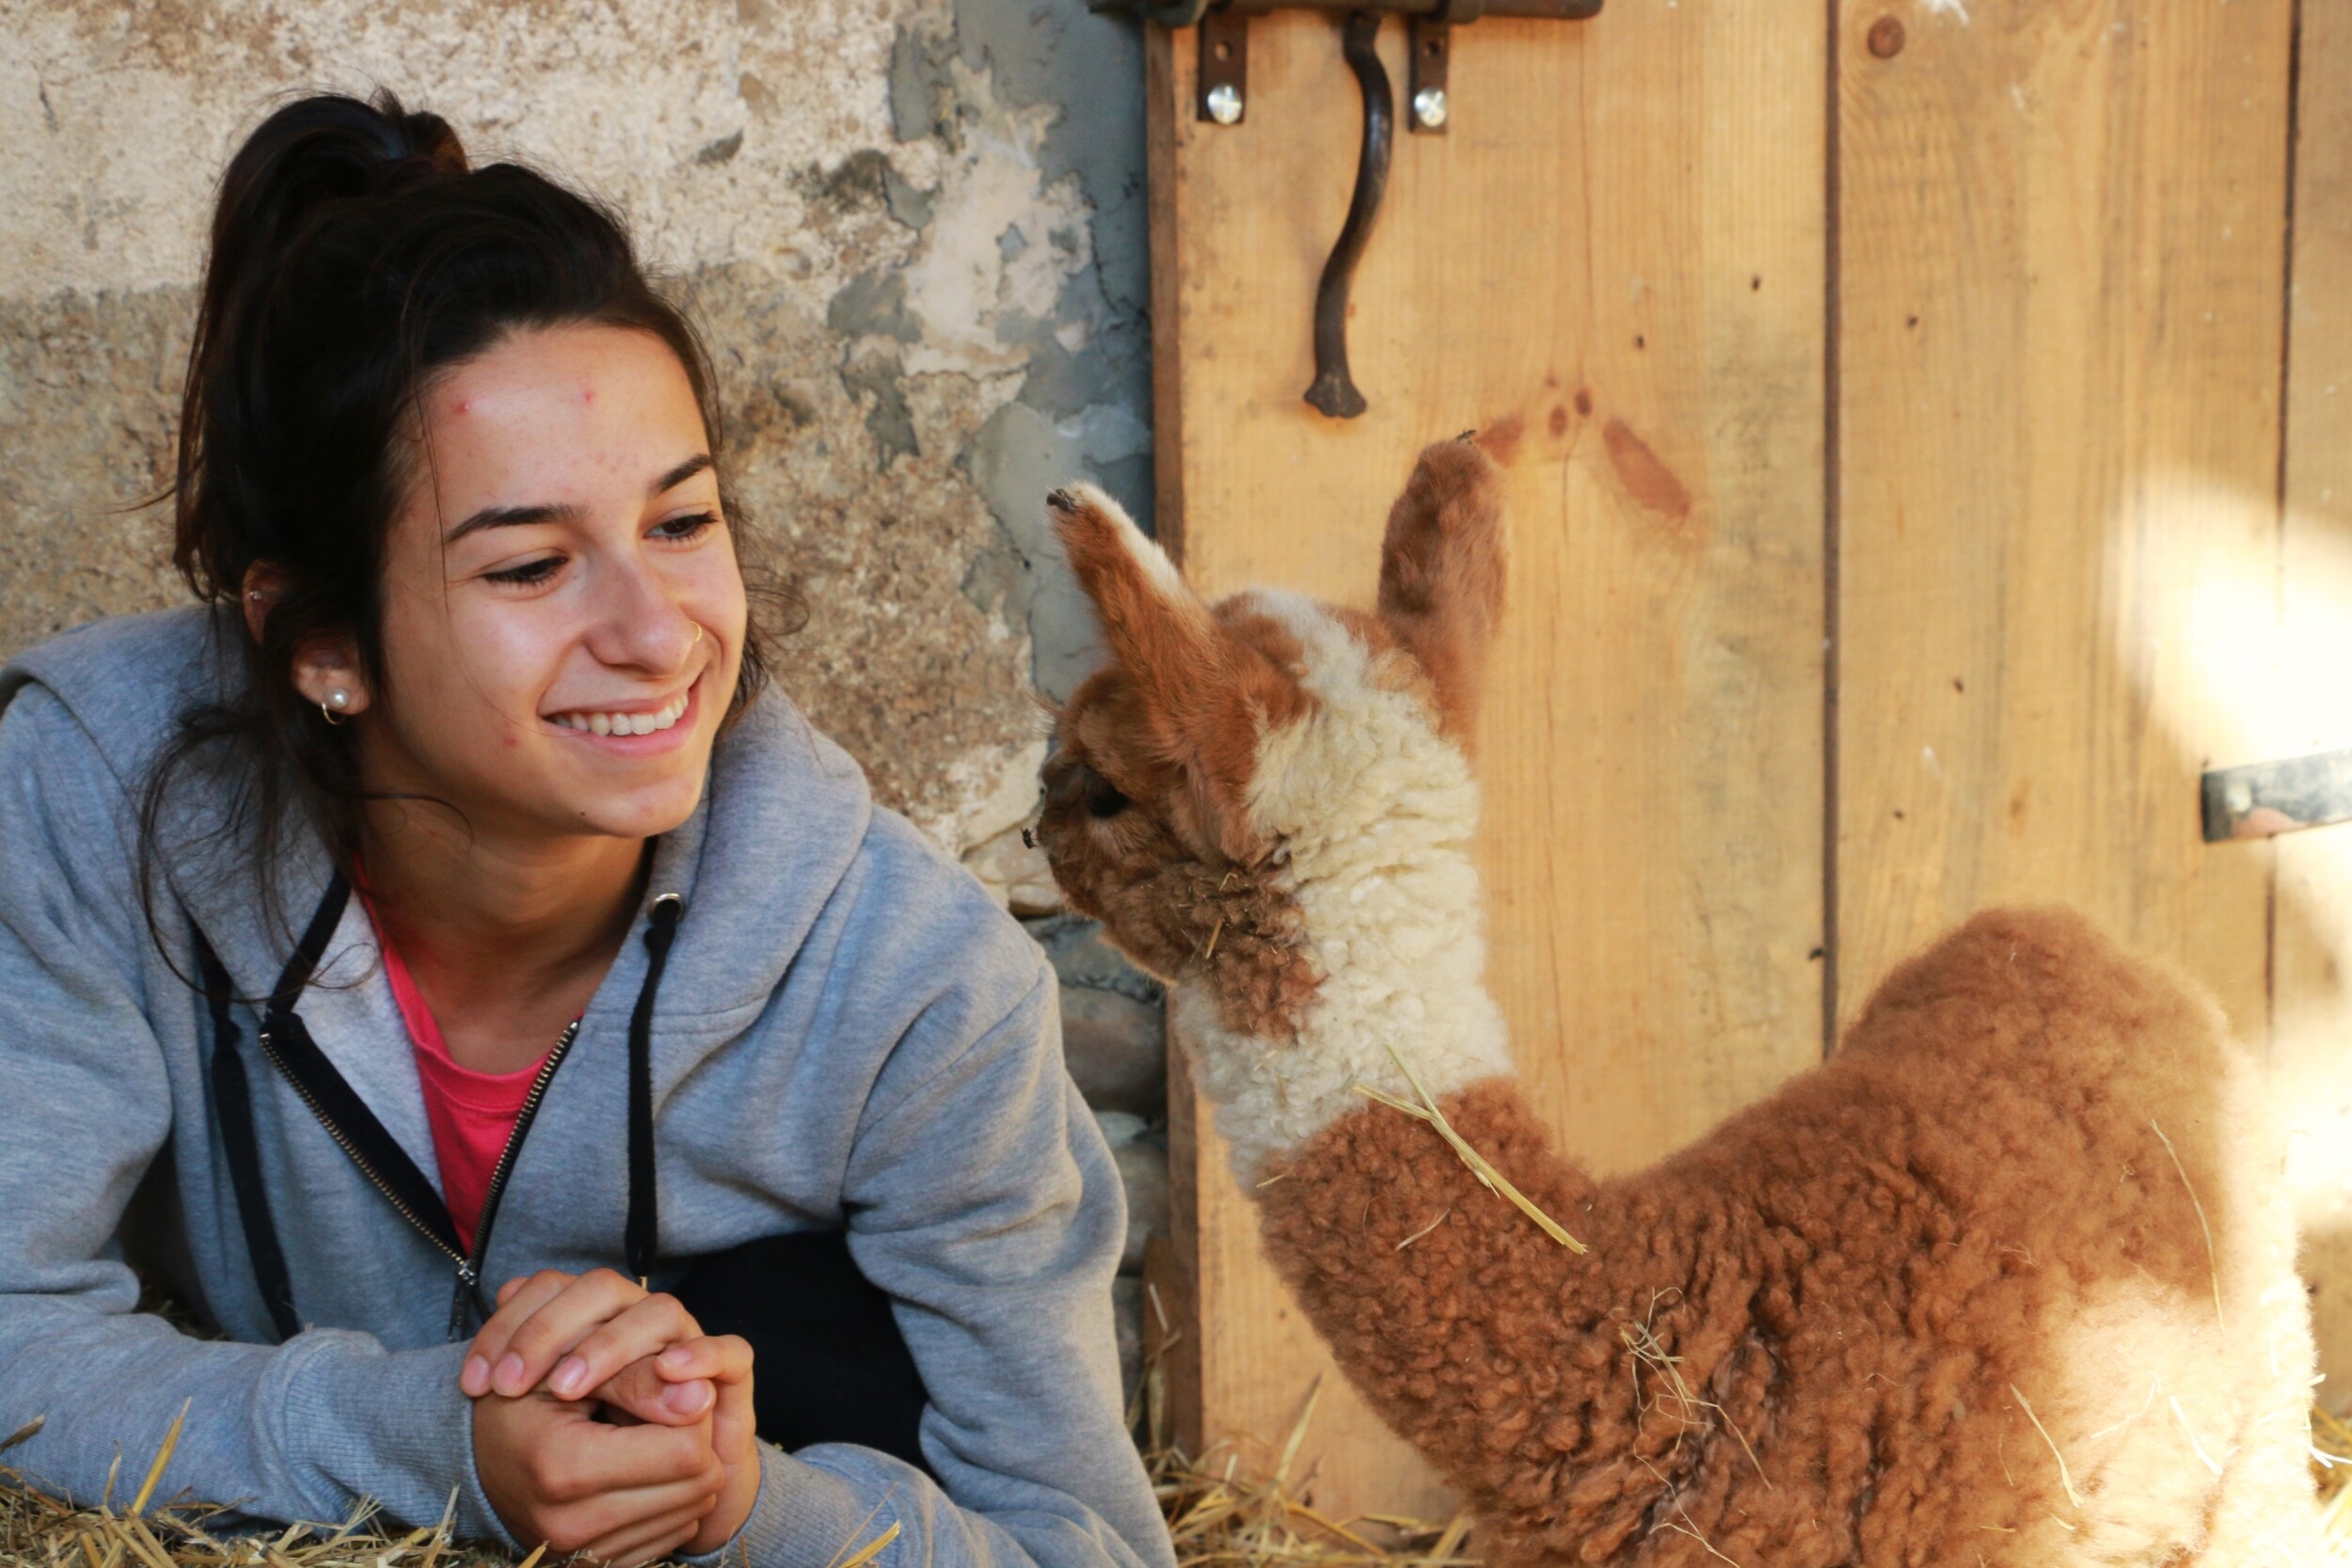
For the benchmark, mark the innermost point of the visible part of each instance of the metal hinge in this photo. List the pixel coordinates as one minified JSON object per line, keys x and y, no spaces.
{"x":2266,"y":797}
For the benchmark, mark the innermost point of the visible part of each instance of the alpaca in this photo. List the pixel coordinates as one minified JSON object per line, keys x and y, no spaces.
{"x":2007,"y":1281}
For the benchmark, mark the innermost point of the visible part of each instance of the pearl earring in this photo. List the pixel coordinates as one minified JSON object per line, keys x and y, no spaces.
{"x":332,"y":709}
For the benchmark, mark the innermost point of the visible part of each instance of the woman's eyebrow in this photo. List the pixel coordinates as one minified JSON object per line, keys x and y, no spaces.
{"x":514,"y":516}
{"x":564,"y":511}
{"x":680,"y":474}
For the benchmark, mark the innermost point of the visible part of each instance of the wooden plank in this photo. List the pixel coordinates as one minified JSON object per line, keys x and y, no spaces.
{"x":2060,"y":323}
{"x":2313,"y":975}
{"x":1619,"y":243}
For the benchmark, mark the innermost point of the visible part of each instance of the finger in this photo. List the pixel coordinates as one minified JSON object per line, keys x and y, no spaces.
{"x":607,"y":1516}
{"x":650,"y":1539}
{"x":519,"y":1298}
{"x":643,"y":1393}
{"x":640,"y":1330}
{"x":720,"y":1357}
{"x":558,"y":1324}
{"x":596,"y":1459}
{"x":733,"y":1422}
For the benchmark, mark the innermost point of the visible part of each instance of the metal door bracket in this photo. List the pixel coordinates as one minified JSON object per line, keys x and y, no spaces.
{"x":1221,"y":97}
{"x":1429,"y":45}
{"x":1224,"y":91}
{"x":2266,"y":797}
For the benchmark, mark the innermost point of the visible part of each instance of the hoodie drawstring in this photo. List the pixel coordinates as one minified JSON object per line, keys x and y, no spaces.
{"x":642,"y":1236}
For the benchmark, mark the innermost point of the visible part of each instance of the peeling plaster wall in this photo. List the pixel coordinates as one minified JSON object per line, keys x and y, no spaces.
{"x":912,"y":230}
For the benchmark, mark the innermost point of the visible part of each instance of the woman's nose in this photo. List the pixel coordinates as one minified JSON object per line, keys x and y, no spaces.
{"x":640,"y":620}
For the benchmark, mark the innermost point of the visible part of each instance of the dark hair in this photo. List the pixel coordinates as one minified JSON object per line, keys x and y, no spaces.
{"x":354,"y":255}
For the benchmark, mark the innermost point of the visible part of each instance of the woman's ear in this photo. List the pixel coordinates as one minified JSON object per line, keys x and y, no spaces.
{"x":1442,"y":574}
{"x":325,"y":668}
{"x":258,"y":594}
{"x":327,"y":672}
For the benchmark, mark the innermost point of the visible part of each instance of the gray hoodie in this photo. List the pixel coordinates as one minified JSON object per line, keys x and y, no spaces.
{"x":847,"y":1033}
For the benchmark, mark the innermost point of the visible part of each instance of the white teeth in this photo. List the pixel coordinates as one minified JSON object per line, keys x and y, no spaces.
{"x":624,"y":723}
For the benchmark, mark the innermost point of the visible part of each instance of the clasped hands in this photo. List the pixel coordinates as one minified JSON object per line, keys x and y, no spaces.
{"x":607,"y":1423}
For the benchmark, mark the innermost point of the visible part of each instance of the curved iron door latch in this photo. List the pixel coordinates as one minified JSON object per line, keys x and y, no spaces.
{"x":1334,"y":391}
{"x":1222,"y":95}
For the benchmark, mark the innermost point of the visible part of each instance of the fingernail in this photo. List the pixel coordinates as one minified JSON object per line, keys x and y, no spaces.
{"x":686,"y":1399}
{"x":508,"y":1379}
{"x":569,"y":1375}
{"x":676,"y":1356}
{"x":475,"y":1378}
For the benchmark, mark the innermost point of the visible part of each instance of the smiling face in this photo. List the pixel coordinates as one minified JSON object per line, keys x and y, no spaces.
{"x":564,"y":618}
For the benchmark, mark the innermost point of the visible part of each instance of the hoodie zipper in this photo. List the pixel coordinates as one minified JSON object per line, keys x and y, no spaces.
{"x":469,"y":1268}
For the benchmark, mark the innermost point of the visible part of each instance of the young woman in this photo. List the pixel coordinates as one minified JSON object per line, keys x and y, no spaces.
{"x":447,"y":899}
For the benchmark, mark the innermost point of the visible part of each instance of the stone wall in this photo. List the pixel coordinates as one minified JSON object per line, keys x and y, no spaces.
{"x":912,"y":230}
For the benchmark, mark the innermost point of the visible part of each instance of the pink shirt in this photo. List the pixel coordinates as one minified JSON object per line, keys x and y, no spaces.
{"x":472,"y":1114}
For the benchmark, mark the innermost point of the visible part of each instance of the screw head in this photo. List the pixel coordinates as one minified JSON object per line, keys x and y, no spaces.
{"x":1429,"y":106}
{"x":2239,"y":797}
{"x":1224,"y":103}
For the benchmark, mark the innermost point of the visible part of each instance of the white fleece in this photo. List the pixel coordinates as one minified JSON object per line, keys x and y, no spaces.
{"x":1376,"y":812}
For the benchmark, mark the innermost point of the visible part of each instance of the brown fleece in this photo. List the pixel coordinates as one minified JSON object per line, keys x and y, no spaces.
{"x":1201,"y":684}
{"x":1232,"y":931}
{"x":1442,"y":574}
{"x":1174,"y":870}
{"x":1849,"y":1277}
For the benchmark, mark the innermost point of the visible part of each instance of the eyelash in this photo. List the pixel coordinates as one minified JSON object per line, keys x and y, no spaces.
{"x":531,"y":573}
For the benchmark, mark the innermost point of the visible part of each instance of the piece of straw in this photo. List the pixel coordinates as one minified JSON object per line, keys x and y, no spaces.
{"x":872,"y":1549}
{"x":2065,"y":1477}
{"x":163,"y":1457}
{"x":440,"y":1531}
{"x":2190,"y":1432}
{"x":2213,"y":1264}
{"x":1479,"y":1164}
{"x":1424,"y":1229}
{"x":866,"y":1554}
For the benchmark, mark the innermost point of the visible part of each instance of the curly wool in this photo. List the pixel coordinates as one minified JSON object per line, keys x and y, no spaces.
{"x":1813,"y":1336}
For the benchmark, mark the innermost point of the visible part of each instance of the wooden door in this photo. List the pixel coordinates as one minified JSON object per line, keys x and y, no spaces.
{"x":2312,"y":916}
{"x":1923,"y":480}
{"x":1617,"y":245}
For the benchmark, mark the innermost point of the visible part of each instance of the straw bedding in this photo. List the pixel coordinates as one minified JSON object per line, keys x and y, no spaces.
{"x":1222,"y":1513}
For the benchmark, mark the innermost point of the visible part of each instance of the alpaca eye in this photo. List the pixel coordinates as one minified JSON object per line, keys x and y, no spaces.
{"x":1102,"y":796}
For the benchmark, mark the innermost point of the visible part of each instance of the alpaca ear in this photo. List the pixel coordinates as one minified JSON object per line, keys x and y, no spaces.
{"x":1195,"y":681}
{"x":1155,"y":623}
{"x":1442,"y":574}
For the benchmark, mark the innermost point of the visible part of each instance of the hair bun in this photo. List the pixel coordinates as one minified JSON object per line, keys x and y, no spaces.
{"x":425,"y":146}
{"x":306,"y":158}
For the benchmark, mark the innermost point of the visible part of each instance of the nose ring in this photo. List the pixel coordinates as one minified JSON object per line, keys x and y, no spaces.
{"x":698,"y":635}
